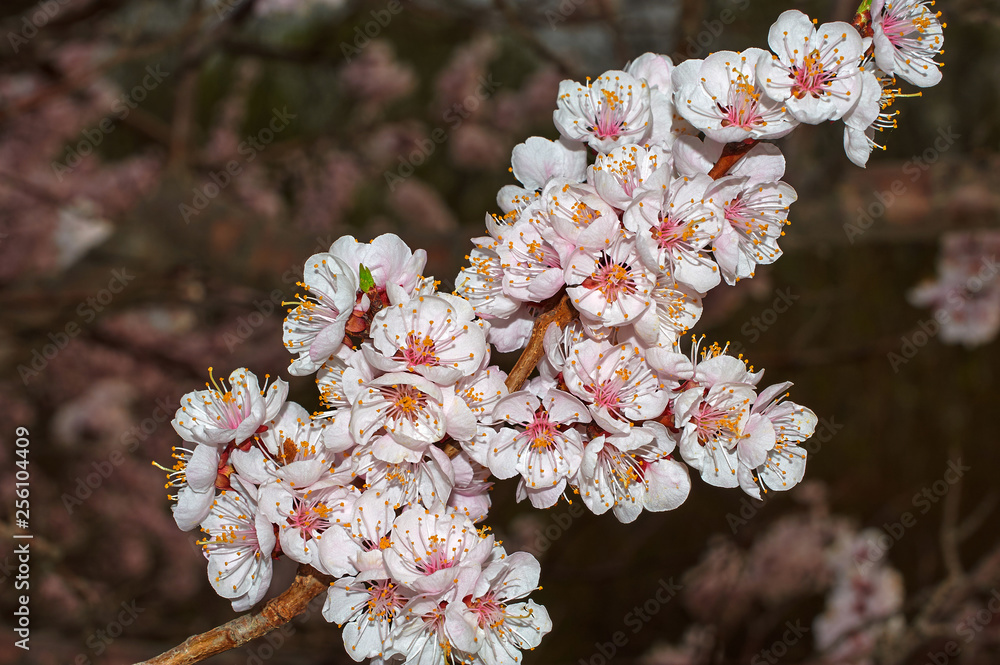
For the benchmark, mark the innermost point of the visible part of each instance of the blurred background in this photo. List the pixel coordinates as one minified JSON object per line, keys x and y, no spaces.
{"x":167,"y":167}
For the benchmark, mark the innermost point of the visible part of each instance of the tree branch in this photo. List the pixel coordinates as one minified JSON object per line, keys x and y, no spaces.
{"x":561,"y":313}
{"x":308,"y":584}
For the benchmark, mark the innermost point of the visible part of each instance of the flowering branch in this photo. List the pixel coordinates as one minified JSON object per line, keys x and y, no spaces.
{"x":310,"y":583}
{"x":384,"y":488}
{"x":278,"y":611}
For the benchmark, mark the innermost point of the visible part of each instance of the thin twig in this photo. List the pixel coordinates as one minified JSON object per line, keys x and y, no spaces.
{"x":308,"y":584}
{"x":949,"y":525}
{"x":561,"y":314}
{"x":731,"y":153}
{"x":977,"y":517}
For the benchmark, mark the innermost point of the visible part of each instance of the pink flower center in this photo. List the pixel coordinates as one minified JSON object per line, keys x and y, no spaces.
{"x":714,"y":423}
{"x":436,"y":558}
{"x":309,"y":517}
{"x":541,"y":431}
{"x":606,"y":394}
{"x":741,"y":111}
{"x":673,"y":231}
{"x":420,"y":351}
{"x":406,"y":402}
{"x":612,"y":279}
{"x":812,"y":77}
{"x":383,"y":600}
{"x":489,"y":612}
{"x":610,"y":116}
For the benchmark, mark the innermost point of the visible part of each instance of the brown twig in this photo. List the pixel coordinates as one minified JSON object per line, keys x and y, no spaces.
{"x":277,"y":612}
{"x":949,"y":526}
{"x":731,"y":153}
{"x":561,"y":314}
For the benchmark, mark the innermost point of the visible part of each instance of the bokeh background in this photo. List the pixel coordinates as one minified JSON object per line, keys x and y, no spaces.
{"x":131,"y":260}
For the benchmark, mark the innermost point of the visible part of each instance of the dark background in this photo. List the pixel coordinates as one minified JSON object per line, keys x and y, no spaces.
{"x":67,"y":223}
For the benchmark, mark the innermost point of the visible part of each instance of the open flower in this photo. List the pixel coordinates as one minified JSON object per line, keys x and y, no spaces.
{"x":627,"y":170}
{"x":228,"y":413}
{"x":238,"y":544}
{"x":304,"y":517}
{"x":907,"y":36}
{"x":366,"y":611}
{"x":432,"y":629}
{"x":616,"y":383}
{"x":430,"y":546}
{"x":718,"y":432}
{"x":546,"y":453}
{"x":722,"y":97}
{"x":793,"y":424}
{"x":611,"y":287}
{"x":815,"y":73}
{"x":628,"y":472}
{"x":481,"y":283}
{"x":435,"y":336}
{"x":405,"y":410}
{"x":612,"y":110}
{"x":506,"y":623}
{"x":532,"y":271}
{"x":674,"y":229}
{"x":673,"y":310}
{"x":755,"y":212}
{"x":315,"y":328}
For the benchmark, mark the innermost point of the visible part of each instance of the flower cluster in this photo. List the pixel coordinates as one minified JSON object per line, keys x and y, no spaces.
{"x":364,"y":490}
{"x":383,"y":486}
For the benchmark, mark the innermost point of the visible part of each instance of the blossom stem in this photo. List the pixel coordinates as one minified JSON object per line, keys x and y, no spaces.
{"x":559,"y":312}
{"x":278,"y":611}
{"x":731,"y":153}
